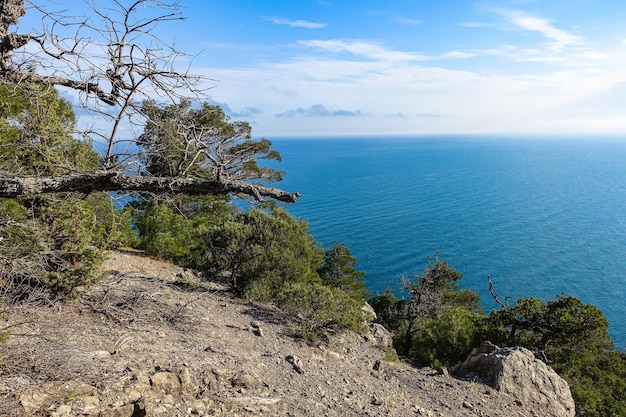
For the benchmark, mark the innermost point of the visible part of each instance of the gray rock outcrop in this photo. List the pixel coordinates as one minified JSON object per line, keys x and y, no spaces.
{"x":516,"y":371}
{"x":381,"y":336}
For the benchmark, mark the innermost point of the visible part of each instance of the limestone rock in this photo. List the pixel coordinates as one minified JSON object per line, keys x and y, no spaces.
{"x":256,"y":328}
{"x":245,"y":382}
{"x":368,"y":313}
{"x":516,"y":371}
{"x":381,"y":335}
{"x":35,"y":398}
{"x":127,"y":410}
{"x":296,"y":363}
{"x":64,"y":410}
{"x":168,"y":382}
{"x":188,"y":383}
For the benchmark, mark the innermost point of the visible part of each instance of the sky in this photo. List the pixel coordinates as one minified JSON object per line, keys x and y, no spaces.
{"x":373,"y":67}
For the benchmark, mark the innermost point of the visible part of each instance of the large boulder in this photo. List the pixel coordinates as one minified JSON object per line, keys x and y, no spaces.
{"x":516,"y":371}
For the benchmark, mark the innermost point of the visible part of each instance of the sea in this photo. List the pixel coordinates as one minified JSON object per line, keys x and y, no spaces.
{"x":540,"y":216}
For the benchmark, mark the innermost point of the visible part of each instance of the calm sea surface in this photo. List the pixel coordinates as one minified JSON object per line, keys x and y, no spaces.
{"x":541,"y":217}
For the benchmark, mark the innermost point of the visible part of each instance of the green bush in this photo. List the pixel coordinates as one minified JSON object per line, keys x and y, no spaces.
{"x":447,"y":338}
{"x":338,"y":271}
{"x":597,"y":381}
{"x":36,"y":133}
{"x":182,"y":229}
{"x":277,"y":252}
{"x":440,"y":323}
{"x":320,"y":307}
{"x":424,"y":324}
{"x":267,"y":255}
{"x":203,"y":142}
{"x":163,"y":232}
{"x":55,"y":243}
{"x":50,"y":243}
{"x":573,"y":338}
{"x":386,"y":307}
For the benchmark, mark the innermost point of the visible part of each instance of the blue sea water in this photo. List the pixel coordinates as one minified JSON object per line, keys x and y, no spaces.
{"x":540,"y":216}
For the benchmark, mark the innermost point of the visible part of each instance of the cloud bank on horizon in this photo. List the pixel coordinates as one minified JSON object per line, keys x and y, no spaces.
{"x":348,"y":67}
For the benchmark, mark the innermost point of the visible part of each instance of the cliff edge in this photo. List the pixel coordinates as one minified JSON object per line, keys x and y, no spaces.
{"x":152,"y":339}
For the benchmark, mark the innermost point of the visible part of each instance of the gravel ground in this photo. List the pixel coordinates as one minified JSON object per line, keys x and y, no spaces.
{"x":154,"y":339}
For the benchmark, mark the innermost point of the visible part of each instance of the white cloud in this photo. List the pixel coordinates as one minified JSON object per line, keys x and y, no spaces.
{"x":557,"y":37}
{"x":421,"y":99}
{"x":365,"y":49}
{"x":319,"y":110}
{"x":476,"y":25}
{"x":297,"y":23}
{"x":247,"y":112}
{"x":558,"y":45}
{"x":283,"y":92}
{"x":459,"y":55}
{"x":512,"y":53}
{"x":545,"y":28}
{"x":327,"y":68}
{"x":520,"y":84}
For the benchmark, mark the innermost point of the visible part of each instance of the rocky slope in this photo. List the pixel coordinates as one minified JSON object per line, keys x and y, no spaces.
{"x":154,"y":340}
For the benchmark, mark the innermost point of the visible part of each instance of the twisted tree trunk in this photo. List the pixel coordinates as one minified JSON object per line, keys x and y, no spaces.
{"x":29,"y":186}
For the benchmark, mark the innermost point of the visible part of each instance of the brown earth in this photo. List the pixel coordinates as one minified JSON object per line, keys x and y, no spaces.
{"x":153,"y":339}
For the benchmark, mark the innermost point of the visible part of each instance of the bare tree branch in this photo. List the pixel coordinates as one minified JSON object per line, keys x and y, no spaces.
{"x":495,"y":296}
{"x":29,"y":186}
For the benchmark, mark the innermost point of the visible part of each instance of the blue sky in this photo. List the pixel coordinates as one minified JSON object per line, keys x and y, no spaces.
{"x":345,"y":67}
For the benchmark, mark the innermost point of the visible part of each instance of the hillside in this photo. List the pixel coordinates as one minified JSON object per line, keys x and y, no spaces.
{"x":153,"y":339}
